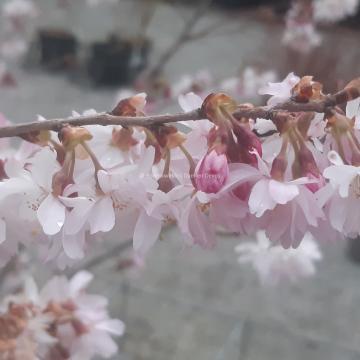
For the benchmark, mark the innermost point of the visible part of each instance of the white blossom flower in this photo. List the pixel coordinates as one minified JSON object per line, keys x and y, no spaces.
{"x":275,"y":264}
{"x":334,"y":10}
{"x":280,"y":92}
{"x":19,"y":9}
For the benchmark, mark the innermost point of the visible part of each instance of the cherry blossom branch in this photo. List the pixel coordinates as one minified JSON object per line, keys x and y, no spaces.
{"x":269,"y":113}
{"x":105,"y":119}
{"x":98,"y":119}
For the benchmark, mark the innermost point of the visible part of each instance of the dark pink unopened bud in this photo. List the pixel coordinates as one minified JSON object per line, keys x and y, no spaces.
{"x":278,"y":167}
{"x":211,"y":172}
{"x":247,"y":143}
{"x":243,"y":191}
{"x":320,"y":182}
{"x":309,"y":168}
{"x":280,"y":163}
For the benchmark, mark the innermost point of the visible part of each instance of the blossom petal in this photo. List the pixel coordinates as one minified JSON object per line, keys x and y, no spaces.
{"x":340,"y":177}
{"x":189,"y":101}
{"x":353,"y":108}
{"x":263,"y":126}
{"x":77,"y":217}
{"x":260,"y":199}
{"x":113,"y":326}
{"x":335,"y":158}
{"x":337,"y":213}
{"x":147,"y":231}
{"x":74,"y":245}
{"x":80,"y":281}
{"x":282,"y":193}
{"x":147,"y":160}
{"x":239,"y":173}
{"x":51,"y":215}
{"x":102,"y":217}
{"x":43,"y":166}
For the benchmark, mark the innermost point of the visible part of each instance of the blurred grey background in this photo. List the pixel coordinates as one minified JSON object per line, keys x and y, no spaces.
{"x":191,"y":303}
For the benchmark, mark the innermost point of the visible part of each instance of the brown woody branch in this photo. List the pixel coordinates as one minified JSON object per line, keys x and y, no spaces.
{"x":266,"y":112}
{"x":98,"y":119}
{"x":105,"y":119}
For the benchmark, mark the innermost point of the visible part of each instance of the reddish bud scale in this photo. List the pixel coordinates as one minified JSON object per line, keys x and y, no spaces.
{"x":215,"y":107}
{"x":151,"y":141}
{"x":123,"y":139}
{"x":307,"y":89}
{"x":162,"y":133}
{"x":71,"y":136}
{"x":37,"y":137}
{"x":350,"y":92}
{"x":132,"y":106}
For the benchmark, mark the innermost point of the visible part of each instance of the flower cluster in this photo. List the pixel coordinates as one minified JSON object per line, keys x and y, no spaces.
{"x":244,"y":84}
{"x":290,"y":174}
{"x":16,"y":16}
{"x":333,"y":10}
{"x":300,"y":33}
{"x":274,"y":264}
{"x":59,"y":322}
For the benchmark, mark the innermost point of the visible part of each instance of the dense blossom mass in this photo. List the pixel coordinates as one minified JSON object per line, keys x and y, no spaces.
{"x":301,"y":34}
{"x":291,"y":176}
{"x":287,"y":173}
{"x":61,"y":321}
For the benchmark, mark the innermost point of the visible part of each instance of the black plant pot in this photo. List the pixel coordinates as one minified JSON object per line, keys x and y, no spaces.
{"x":117,"y":61}
{"x":250,"y":3}
{"x":353,"y":21}
{"x":58,"y":49}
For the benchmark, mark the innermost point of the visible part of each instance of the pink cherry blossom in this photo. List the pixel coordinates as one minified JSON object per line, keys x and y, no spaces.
{"x":340,"y":196}
{"x":196,"y":131}
{"x":280,"y":92}
{"x":62,"y":315}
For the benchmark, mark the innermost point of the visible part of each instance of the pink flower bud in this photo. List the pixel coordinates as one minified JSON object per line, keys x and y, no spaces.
{"x":247,"y":143}
{"x":243,"y":191}
{"x":211,"y":172}
{"x":309,"y":168}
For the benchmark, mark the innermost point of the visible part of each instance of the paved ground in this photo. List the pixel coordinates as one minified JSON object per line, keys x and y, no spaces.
{"x":194,"y":304}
